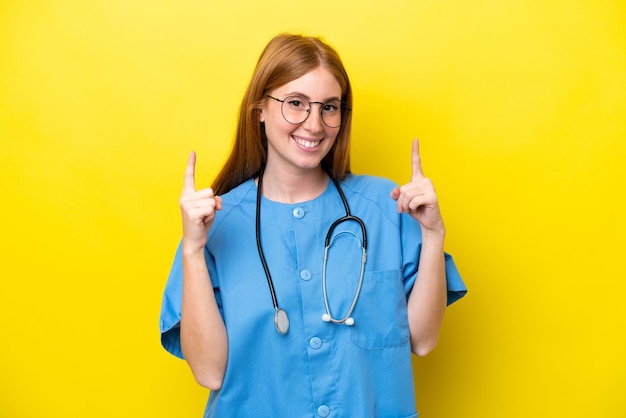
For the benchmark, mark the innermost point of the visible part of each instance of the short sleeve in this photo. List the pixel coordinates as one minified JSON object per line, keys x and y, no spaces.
{"x":456,"y":286}
{"x":411,"y":248}
{"x":171,"y":305}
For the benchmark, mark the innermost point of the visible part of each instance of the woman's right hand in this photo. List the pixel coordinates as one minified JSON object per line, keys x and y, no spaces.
{"x":197,"y":209}
{"x":203,"y":337}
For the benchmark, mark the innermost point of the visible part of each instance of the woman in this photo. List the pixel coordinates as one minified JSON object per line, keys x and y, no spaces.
{"x":277,"y":308}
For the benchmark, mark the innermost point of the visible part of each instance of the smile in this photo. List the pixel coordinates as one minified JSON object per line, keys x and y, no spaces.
{"x":305,"y":143}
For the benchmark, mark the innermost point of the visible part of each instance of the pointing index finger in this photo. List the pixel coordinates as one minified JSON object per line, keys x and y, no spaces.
{"x":189,"y":186}
{"x":416,"y":165}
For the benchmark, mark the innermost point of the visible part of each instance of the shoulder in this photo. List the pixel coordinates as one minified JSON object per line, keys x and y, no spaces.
{"x":371,"y":194}
{"x":236,"y":203}
{"x":372,"y":187}
{"x":239,"y":194}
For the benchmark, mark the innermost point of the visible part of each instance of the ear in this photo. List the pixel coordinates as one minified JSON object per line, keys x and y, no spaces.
{"x":261,"y":115}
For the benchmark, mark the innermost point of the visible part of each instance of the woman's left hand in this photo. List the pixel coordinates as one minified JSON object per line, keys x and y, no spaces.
{"x":418,"y":197}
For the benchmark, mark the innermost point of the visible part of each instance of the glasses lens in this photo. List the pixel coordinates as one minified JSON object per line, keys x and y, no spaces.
{"x":296,"y":110}
{"x":331,"y":114}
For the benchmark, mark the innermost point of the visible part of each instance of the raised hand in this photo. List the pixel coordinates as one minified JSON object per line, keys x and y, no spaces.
{"x":418,"y":197}
{"x":197,"y":208}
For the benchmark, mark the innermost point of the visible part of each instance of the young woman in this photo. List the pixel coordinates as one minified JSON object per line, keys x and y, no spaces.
{"x":300,"y":289}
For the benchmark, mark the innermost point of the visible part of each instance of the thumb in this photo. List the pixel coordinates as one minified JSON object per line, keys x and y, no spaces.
{"x":395,"y":193}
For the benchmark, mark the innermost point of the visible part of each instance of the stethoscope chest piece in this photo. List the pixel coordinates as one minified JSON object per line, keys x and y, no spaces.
{"x":281,"y":321}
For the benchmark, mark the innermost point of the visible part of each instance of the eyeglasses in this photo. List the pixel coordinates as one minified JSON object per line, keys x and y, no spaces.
{"x":296,"y":109}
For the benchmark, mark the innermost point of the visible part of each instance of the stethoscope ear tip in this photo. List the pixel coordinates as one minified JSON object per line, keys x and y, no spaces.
{"x":326,"y":317}
{"x":349,"y":322}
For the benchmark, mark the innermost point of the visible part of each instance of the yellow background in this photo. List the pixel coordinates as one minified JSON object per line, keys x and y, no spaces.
{"x":520,"y":106}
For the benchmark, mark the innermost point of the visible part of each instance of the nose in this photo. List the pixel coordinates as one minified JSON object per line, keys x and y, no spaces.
{"x":314,"y":122}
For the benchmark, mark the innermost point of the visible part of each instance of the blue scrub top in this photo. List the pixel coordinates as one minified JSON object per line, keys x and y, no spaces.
{"x":318,"y":369}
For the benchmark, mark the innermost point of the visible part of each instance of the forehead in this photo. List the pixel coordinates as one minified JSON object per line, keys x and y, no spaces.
{"x":317,"y":84}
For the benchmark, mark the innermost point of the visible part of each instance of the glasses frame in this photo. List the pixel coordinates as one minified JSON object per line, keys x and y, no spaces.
{"x":308,"y":111}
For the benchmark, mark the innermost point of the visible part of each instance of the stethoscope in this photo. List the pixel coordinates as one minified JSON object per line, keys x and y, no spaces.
{"x":281,"y":319}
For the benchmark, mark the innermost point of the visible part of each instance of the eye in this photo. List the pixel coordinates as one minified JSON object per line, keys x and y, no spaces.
{"x":296,"y":103}
{"x":330,"y":107}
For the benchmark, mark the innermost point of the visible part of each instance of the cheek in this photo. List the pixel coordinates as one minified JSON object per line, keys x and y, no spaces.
{"x":276,"y":128}
{"x":331,"y":133}
{"x":274,"y":120}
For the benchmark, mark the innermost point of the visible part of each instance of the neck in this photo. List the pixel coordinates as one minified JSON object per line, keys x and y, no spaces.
{"x":293,"y":187}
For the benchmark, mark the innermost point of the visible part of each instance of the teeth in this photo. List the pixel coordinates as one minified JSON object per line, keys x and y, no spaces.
{"x":307,"y":144}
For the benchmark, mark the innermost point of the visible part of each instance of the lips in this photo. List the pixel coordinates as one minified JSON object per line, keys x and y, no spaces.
{"x":306,"y":143}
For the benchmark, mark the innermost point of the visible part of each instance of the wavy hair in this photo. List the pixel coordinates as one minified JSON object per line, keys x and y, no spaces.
{"x":285,"y":58}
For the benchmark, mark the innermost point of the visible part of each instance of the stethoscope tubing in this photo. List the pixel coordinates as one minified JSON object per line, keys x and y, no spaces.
{"x":328,"y":317}
{"x":281,"y":319}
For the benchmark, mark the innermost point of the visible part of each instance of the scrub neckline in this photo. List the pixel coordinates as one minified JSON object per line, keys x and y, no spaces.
{"x":300,"y":203}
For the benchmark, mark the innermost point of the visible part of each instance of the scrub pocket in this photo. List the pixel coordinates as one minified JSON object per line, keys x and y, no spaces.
{"x":380,"y":313}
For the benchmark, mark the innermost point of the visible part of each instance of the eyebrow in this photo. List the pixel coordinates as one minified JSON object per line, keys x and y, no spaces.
{"x":297,"y":93}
